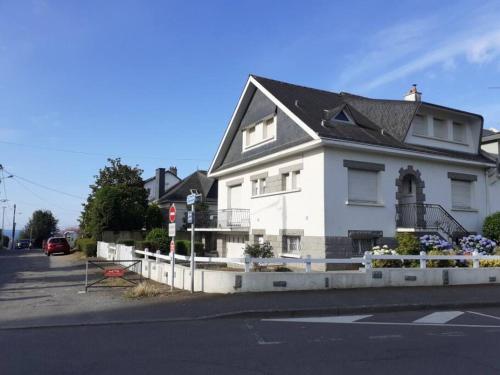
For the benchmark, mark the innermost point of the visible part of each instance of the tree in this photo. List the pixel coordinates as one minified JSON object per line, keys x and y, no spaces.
{"x":154,"y":218}
{"x":41,"y":226}
{"x":118,"y":200}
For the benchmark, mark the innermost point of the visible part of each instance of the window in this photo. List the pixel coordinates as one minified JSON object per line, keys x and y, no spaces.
{"x":458,"y":132}
{"x":420,"y":125}
{"x":261,"y":132}
{"x":461,"y":194}
{"x":291,"y":244}
{"x":258,"y":186}
{"x":342,"y":117}
{"x":362,"y":186}
{"x":290,"y":181}
{"x":360,"y":245}
{"x":440,"y":129}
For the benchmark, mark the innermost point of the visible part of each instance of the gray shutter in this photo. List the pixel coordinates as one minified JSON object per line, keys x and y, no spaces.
{"x":460,"y":194}
{"x":362,"y":186}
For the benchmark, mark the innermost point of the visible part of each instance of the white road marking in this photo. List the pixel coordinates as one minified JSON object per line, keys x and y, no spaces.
{"x":440,"y":317}
{"x":485,"y":315}
{"x":385,"y":337}
{"x":324,"y":319}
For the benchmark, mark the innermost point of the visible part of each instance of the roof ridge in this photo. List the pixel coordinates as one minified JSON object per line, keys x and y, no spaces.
{"x":294,"y":84}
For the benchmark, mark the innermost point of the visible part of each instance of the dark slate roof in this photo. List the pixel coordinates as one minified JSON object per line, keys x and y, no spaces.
{"x":382,"y":122}
{"x":488,"y":132}
{"x":198,"y":181}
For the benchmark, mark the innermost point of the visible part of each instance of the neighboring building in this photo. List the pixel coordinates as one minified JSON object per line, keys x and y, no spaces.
{"x":197,"y":181}
{"x":161,"y":182}
{"x":491,"y":142}
{"x":332,"y":174}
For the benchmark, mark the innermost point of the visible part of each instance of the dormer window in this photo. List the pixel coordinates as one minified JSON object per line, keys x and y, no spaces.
{"x":440,"y":128}
{"x":420,"y":125}
{"x":342,"y":116}
{"x":261,"y":132}
{"x":458,"y":132}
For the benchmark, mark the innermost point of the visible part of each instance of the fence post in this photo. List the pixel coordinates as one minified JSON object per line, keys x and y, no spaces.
{"x":367,"y":260}
{"x":308,"y":263}
{"x":423,"y":261}
{"x":475,"y":261}
{"x":247,"y":263}
{"x":157,"y":253}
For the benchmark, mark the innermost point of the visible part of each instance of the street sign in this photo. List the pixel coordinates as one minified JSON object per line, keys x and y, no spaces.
{"x":172,"y":246}
{"x":190,"y":217}
{"x":191,"y":199}
{"x":171,"y":213}
{"x":171,"y":229}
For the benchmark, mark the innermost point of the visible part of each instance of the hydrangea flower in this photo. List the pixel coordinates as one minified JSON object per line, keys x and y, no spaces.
{"x":433,"y":242}
{"x":476,"y":242}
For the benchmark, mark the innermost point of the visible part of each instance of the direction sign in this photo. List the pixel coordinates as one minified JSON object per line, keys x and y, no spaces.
{"x":171,"y":213}
{"x":171,"y":229}
{"x":191,"y":199}
{"x":172,"y":246}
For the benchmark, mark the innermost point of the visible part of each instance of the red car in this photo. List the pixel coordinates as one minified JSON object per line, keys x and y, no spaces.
{"x":56,"y":245}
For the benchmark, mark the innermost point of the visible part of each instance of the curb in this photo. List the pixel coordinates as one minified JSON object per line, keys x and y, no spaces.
{"x":269,"y":313}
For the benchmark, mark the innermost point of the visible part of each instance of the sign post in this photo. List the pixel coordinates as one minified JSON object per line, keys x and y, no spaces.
{"x":171,"y":232}
{"x":191,"y":199}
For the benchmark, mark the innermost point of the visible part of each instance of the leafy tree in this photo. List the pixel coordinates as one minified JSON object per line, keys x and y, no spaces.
{"x":159,"y":239}
{"x":118,"y":200}
{"x":41,"y":225}
{"x":154,"y":218}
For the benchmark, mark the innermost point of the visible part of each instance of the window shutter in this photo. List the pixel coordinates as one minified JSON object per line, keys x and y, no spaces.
{"x":362,"y":186}
{"x":420,"y":125}
{"x":460,"y":194}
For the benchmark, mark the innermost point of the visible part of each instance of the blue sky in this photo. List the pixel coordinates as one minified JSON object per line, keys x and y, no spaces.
{"x":155,"y":82}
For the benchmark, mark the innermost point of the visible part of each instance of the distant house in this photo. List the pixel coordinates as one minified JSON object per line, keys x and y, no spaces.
{"x":332,"y":174}
{"x":490,"y":142}
{"x":161,"y":182}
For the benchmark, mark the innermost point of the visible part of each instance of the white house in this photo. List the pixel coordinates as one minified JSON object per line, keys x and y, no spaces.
{"x":331,"y":174}
{"x":162,"y":181}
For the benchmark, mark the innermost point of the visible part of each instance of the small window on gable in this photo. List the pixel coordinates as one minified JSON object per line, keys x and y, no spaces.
{"x":260,"y":132}
{"x":342,"y":116}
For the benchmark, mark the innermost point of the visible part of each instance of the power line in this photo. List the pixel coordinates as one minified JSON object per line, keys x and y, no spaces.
{"x":46,"y":187}
{"x":97,"y":154}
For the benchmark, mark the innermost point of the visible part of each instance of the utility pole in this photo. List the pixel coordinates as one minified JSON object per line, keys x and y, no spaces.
{"x":13,"y":228}
{"x":3,"y":219}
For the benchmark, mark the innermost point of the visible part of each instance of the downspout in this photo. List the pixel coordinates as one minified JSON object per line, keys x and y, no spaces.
{"x":487,"y":192}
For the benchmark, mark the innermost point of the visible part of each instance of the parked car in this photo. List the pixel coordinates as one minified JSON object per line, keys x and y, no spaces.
{"x":23,"y":244}
{"x":56,"y":245}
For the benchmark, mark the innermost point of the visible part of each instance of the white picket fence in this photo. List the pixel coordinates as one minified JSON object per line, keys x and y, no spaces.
{"x":366,"y":260}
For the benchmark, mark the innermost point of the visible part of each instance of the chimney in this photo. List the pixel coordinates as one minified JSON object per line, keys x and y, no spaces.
{"x":159,"y":183}
{"x":413,"y":95}
{"x":173,"y":170}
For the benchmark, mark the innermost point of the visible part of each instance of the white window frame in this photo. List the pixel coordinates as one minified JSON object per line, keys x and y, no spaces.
{"x":287,"y":242}
{"x":377,"y":200}
{"x":464,"y":132}
{"x":444,"y":122}
{"x":470,"y":184}
{"x":290,"y":181}
{"x":259,"y":186}
{"x":263,"y":132}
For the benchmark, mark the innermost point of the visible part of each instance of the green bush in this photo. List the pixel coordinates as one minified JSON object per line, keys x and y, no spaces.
{"x":183,"y":247}
{"x":440,"y":263}
{"x":88,"y":246}
{"x":259,"y":251}
{"x":491,"y":227}
{"x":126,"y":242}
{"x":159,"y":239}
{"x":408,"y":244}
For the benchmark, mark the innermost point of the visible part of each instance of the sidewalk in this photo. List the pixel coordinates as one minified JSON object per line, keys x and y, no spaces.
{"x":183,"y":306}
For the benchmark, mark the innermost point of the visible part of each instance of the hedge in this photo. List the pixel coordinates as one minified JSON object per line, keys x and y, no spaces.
{"x":126,"y":242}
{"x":88,"y":246}
{"x":183,"y":247}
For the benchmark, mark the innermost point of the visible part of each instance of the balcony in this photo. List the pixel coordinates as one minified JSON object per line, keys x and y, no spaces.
{"x":230,"y":219}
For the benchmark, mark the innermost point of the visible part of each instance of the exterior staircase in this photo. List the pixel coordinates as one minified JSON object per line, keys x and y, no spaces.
{"x":428,"y":218}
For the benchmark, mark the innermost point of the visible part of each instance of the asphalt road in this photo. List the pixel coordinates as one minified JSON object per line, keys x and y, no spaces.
{"x":47,"y":327}
{"x":465,"y":345}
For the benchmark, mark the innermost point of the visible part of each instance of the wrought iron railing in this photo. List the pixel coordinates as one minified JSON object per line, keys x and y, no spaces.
{"x":432,"y":217}
{"x":230,"y":218}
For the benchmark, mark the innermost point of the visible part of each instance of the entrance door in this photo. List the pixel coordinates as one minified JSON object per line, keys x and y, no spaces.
{"x":409,"y":187}
{"x":411,"y":208}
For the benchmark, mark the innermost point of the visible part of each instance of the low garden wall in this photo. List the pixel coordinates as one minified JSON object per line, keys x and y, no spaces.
{"x":221,"y":281}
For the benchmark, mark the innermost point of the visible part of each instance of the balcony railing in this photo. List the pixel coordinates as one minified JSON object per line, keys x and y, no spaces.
{"x":431,"y":217}
{"x":230,"y":218}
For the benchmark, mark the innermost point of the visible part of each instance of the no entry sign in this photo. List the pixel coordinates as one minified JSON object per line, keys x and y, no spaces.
{"x":171,"y":213}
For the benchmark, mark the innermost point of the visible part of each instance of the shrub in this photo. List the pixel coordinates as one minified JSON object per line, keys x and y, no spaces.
{"x":126,"y":242}
{"x":477,"y":242}
{"x":183,"y":247}
{"x":441,"y":263}
{"x":264,"y":250}
{"x":491,"y":226}
{"x":433,"y":242}
{"x":88,"y":246}
{"x":408,"y":244}
{"x":382,"y":263}
{"x":159,"y":239}
{"x":142,"y":245}
{"x":143,"y":289}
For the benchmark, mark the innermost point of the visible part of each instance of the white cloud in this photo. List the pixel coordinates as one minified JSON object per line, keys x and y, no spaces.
{"x":421,"y":44}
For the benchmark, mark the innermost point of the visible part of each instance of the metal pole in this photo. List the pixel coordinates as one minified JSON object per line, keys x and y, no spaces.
{"x":192,"y":248}
{"x":172,"y":266}
{"x":13,"y":228}
{"x":3,"y":217}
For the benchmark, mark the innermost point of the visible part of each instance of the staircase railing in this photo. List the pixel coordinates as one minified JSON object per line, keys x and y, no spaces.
{"x":432,"y":217}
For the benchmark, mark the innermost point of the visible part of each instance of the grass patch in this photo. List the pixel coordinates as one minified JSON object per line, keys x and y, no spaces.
{"x":143,"y":289}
